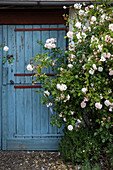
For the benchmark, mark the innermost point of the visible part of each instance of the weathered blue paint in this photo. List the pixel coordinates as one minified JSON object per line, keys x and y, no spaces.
{"x":25,"y":121}
{"x":0,"y":84}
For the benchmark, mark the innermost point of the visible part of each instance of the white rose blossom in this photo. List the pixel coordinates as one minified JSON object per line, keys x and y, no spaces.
{"x":100,"y":69}
{"x":83,"y":104}
{"x":78,"y":36}
{"x":50,"y":43}
{"x":70,"y":65}
{"x":94,"y":67}
{"x":107,"y":103}
{"x":84,"y":90}
{"x":110,"y":72}
{"x":70,"y":127}
{"x":64,"y":7}
{"x":91,"y":6}
{"x":70,"y":34}
{"x":61,"y":87}
{"x":111,"y":27}
{"x":81,"y":12}
{"x":6,"y":48}
{"x":98,"y":105}
{"x":29,"y":67}
{"x":93,"y":18}
{"x":77,"y":6}
{"x":91,"y":71}
{"x":46,"y":93}
{"x":103,"y":59}
{"x":78,"y":25}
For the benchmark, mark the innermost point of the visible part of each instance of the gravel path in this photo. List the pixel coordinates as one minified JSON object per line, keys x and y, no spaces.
{"x":31,"y":160}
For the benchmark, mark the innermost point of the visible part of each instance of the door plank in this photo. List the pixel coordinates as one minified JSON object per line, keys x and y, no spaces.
{"x":11,"y":90}
{"x":36,"y":102}
{"x":33,"y":144}
{"x":28,"y":92}
{"x":44,"y":110}
{"x":0,"y":81}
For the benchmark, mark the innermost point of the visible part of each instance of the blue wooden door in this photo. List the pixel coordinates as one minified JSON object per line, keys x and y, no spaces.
{"x":25,"y":121}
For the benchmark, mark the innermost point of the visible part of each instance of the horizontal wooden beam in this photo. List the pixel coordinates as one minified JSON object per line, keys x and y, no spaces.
{"x":43,"y":29}
{"x":27,"y":87}
{"x":32,"y":74}
{"x":38,"y":135}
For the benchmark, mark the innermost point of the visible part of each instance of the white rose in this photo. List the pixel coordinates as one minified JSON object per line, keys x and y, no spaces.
{"x":64,"y":7}
{"x":46,"y":45}
{"x":60,"y":115}
{"x":78,"y":36}
{"x":78,"y":25}
{"x":100,"y":69}
{"x":53,"y":46}
{"x":84,"y":90}
{"x":78,"y":120}
{"x":84,"y":34}
{"x":94,"y":67}
{"x":98,"y":105}
{"x":49,"y":46}
{"x":77,"y":6}
{"x":103,"y":16}
{"x":102,"y":59}
{"x":100,"y":47}
{"x":72,"y":113}
{"x":110,"y":109}
{"x":89,"y":28}
{"x":81,"y":12}
{"x":91,"y":71}
{"x":83,"y":104}
{"x":46,"y":93}
{"x":103,"y":55}
{"x":93,"y":18}
{"x":50,"y":104}
{"x":6,"y":48}
{"x":108,"y":55}
{"x":111,"y":72}
{"x":85,"y":28}
{"x":70,"y":127}
{"x":111,"y":27}
{"x":107,"y":102}
{"x":29,"y":67}
{"x":68,"y":97}
{"x":47,"y":105}
{"x":48,"y":41}
{"x":91,"y":6}
{"x":64,"y":119}
{"x":64,"y":87}
{"x":58,"y":86}
{"x":70,"y":65}
{"x":70,"y":34}
{"x":71,"y":44}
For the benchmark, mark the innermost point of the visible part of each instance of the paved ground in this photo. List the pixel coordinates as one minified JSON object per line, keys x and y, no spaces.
{"x":31,"y":160}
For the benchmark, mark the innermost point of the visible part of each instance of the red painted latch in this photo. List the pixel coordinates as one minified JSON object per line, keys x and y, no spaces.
{"x":26,"y":87}
{"x":32,"y":74}
{"x":42,"y":29}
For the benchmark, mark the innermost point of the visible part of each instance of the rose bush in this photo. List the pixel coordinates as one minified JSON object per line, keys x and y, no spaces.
{"x":82,"y":89}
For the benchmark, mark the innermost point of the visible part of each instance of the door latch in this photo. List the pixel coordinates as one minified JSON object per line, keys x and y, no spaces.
{"x":11,"y":81}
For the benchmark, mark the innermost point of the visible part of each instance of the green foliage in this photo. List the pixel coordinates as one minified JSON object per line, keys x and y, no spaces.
{"x":8,"y":58}
{"x":79,"y":145}
{"x":82,"y":88}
